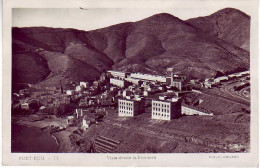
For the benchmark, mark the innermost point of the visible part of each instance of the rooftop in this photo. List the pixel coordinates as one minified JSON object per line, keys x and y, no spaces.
{"x":167,"y":99}
{"x":132,"y":98}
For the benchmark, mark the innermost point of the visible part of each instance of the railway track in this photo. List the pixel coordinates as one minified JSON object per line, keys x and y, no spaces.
{"x":228,"y":90}
{"x":234,"y":99}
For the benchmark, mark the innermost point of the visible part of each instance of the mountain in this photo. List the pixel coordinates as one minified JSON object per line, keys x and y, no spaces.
{"x":50,"y":55}
{"x":228,"y":24}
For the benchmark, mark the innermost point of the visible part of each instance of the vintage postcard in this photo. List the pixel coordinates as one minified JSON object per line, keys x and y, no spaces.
{"x":130,"y":83}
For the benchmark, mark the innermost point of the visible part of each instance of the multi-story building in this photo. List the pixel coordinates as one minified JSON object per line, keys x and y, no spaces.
{"x":130,"y":107}
{"x":148,"y":77}
{"x":118,"y":82}
{"x":119,"y":74}
{"x":180,"y":77}
{"x":177,"y":83}
{"x":134,"y":81}
{"x":166,"y":109}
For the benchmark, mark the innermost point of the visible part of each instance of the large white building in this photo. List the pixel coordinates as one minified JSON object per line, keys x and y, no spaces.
{"x":130,"y":107}
{"x":133,"y":80}
{"x":119,"y":74}
{"x":177,"y":83}
{"x":166,"y":109}
{"x":148,"y":77}
{"x":118,"y":82}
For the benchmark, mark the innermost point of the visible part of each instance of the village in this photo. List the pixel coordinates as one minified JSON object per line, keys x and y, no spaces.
{"x":122,"y":95}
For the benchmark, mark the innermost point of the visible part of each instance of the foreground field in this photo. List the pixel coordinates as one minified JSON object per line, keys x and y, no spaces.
{"x":188,"y":134}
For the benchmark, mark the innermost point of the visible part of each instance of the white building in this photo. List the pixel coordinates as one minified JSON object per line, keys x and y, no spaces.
{"x":79,"y":113}
{"x":148,"y":77}
{"x":207,"y":85}
{"x":191,"y":110}
{"x":78,"y":88}
{"x":133,"y":80}
{"x":85,"y":124}
{"x":166,"y":109}
{"x":118,"y":82}
{"x":130,"y":107}
{"x":83,"y":84}
{"x":69,"y":92}
{"x":177,"y":83}
{"x":119,"y":74}
{"x":219,"y":79}
{"x":25,"y":105}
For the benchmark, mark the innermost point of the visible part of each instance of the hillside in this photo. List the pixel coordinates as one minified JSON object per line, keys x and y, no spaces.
{"x":150,"y":45}
{"x":228,"y":24}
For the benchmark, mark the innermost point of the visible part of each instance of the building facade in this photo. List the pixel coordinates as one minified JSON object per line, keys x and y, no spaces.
{"x":148,"y":77}
{"x":166,"y":109}
{"x":118,"y":82}
{"x":134,"y":81}
{"x":130,"y":107}
{"x":177,"y":84}
{"x":119,"y":74}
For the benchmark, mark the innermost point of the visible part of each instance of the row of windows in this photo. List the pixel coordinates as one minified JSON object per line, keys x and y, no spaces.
{"x":161,"y":109}
{"x":161,"y":105}
{"x":126,"y":108}
{"x":159,"y":114}
{"x":125,"y":103}
{"x":125,"y":112}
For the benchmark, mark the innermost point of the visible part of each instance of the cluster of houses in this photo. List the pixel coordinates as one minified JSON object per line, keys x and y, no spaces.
{"x":54,"y":96}
{"x":136,"y":87}
{"x":86,"y":117}
{"x":132,"y":101}
{"x":130,"y":92}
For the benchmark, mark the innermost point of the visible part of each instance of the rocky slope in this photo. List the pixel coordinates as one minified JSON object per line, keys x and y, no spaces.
{"x":150,"y":45}
{"x":228,"y":24}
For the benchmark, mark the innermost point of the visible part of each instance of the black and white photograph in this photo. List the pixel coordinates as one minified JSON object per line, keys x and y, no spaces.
{"x":131,"y":81}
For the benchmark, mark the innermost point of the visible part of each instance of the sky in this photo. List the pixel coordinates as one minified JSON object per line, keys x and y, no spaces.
{"x":94,"y":18}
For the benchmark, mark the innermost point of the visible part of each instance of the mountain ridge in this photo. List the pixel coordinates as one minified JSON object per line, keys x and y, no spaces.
{"x":229,"y":24}
{"x":150,"y":45}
